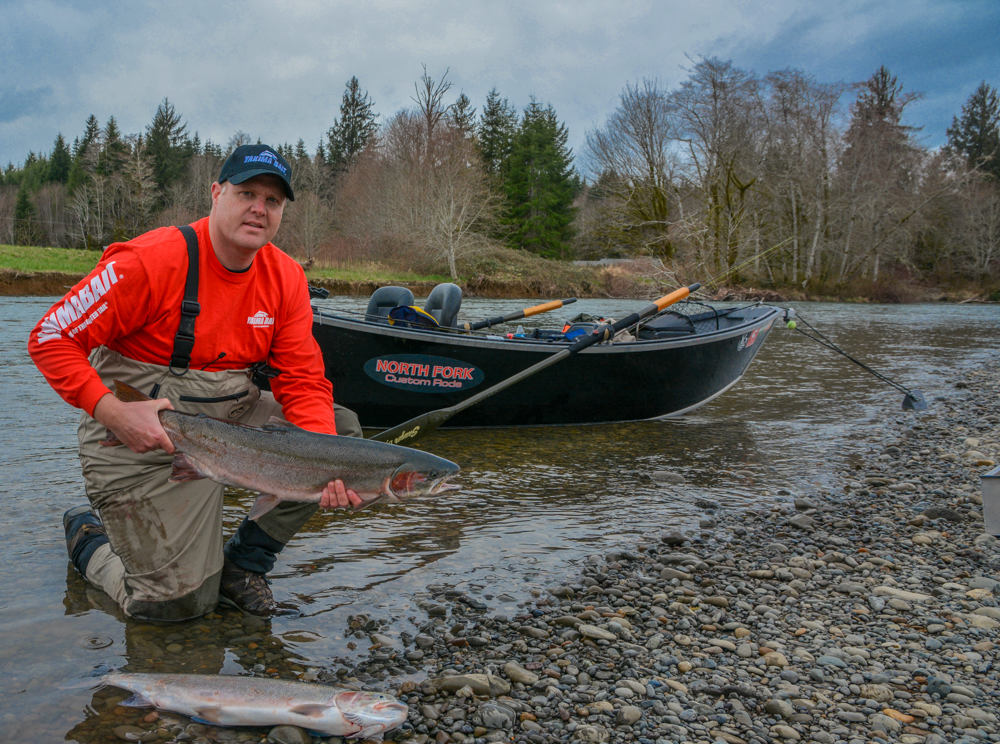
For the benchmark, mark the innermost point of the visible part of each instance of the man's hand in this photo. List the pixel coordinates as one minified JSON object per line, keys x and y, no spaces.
{"x":137,"y":425}
{"x":336,"y":496}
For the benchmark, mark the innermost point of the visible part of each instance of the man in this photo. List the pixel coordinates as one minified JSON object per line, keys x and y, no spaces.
{"x":183,"y":314}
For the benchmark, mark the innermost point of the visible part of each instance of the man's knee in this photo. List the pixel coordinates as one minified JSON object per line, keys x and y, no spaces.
{"x":186,"y":607}
{"x":348,"y":424}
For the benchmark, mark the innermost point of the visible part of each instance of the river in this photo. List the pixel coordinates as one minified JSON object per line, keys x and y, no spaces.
{"x":534,"y":503}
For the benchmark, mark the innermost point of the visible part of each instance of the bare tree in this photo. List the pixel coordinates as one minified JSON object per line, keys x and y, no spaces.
{"x":720,"y":119}
{"x":633,"y":158}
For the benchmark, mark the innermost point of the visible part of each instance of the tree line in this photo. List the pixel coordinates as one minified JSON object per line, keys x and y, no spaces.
{"x":782,"y":179}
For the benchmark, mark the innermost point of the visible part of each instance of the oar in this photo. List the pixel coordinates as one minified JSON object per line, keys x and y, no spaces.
{"x":420,"y":426}
{"x":526,"y":313}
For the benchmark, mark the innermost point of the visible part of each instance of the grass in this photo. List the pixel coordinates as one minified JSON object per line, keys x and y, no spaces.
{"x":34,"y":258}
{"x":374,"y":273}
{"x":30,"y":258}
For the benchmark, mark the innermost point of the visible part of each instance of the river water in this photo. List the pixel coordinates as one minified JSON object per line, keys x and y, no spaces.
{"x":534,"y":503}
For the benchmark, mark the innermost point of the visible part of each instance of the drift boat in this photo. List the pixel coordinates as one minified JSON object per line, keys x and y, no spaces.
{"x":388,"y":369}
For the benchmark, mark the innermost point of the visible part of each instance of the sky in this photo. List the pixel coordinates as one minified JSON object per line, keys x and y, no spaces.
{"x":276,"y":69}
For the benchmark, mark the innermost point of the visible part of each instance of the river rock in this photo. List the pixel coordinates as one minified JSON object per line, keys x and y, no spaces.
{"x":288,"y":735}
{"x":481,"y":684}
{"x":517,"y":673}
{"x":496,"y":716}
{"x":627,"y":715}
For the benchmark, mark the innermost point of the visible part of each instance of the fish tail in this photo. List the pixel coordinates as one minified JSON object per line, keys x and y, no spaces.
{"x":128,"y":394}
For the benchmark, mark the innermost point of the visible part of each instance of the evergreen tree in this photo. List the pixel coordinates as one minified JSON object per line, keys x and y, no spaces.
{"x":300,"y":150}
{"x":114,"y":151}
{"x":196,"y":144}
{"x":167,"y":145}
{"x":351,"y":132}
{"x":92,"y":133}
{"x":977,"y":133}
{"x":60,"y":162}
{"x":540,"y":184}
{"x":496,"y":131}
{"x":26,"y":228}
{"x":462,"y":116}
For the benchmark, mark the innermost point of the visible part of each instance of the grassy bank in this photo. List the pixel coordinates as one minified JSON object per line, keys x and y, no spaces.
{"x":500,"y":273}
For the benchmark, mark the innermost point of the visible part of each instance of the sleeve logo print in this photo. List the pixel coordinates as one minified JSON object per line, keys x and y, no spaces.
{"x":260,"y":319}
{"x":78,"y":307}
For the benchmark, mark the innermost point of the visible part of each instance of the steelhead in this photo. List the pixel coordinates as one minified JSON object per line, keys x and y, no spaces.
{"x":226,"y":700}
{"x":285,"y":463}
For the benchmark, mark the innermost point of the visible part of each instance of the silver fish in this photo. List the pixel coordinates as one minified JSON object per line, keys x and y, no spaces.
{"x":226,"y":700}
{"x":286,"y":463}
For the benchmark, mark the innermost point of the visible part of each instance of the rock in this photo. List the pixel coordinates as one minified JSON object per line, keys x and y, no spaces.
{"x":481,"y":684}
{"x":779,"y":708}
{"x":517,"y":673}
{"x":983,"y":622}
{"x":884,"y":722}
{"x":673,"y":538}
{"x":496,"y":716}
{"x":382,"y":640}
{"x":288,"y":735}
{"x":591,"y":734}
{"x":134,"y":734}
{"x":786,"y":732}
{"x":627,"y":715}
{"x":891,"y":591}
{"x":878,"y":693}
{"x":775,"y":659}
{"x":592,"y":631}
{"x":897,"y":716}
{"x":673,"y":573}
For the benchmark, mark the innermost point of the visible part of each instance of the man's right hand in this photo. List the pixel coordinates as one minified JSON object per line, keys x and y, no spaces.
{"x":137,"y":425}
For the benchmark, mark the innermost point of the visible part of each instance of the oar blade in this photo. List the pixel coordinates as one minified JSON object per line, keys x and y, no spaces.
{"x":416,"y":428}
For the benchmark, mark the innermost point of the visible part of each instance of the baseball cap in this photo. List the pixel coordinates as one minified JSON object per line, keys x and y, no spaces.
{"x":247,"y":161}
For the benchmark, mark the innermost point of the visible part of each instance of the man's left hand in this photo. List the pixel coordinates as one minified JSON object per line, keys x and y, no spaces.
{"x":336,"y":496}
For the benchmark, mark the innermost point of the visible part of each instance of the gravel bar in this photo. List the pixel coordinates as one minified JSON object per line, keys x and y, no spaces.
{"x":866,"y":615}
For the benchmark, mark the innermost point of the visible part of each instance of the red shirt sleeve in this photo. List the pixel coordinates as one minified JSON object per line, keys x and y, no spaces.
{"x":305,"y":395}
{"x":97,"y":310}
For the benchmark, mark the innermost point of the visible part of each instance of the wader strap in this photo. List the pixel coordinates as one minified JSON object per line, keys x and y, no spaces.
{"x":180,"y":361}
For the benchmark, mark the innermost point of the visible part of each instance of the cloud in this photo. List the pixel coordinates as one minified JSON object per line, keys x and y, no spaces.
{"x":277,"y":71}
{"x":17,"y":104}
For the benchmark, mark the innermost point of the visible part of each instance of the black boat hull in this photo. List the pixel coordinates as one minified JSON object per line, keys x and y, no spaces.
{"x":389,"y":375}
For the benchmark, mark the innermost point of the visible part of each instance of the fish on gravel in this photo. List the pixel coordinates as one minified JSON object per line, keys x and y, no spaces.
{"x":286,"y":463}
{"x":226,"y":700}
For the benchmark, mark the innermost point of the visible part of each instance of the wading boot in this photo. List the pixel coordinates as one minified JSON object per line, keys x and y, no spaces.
{"x":248,"y":590}
{"x":84,"y":534}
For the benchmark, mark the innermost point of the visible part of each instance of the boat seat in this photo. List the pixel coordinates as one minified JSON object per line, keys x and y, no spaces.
{"x":385,"y":299}
{"x":443,"y":303}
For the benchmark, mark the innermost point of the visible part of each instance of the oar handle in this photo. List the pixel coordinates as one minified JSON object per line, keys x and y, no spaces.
{"x":518,"y":314}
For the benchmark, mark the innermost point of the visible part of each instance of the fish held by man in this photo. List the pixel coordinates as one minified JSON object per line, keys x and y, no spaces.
{"x":226,"y":700}
{"x":285,"y":463}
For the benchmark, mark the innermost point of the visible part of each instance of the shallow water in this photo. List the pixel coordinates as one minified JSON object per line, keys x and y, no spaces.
{"x":534,"y":502}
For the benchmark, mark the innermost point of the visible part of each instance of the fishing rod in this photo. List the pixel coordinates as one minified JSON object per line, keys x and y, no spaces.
{"x":732,"y":269}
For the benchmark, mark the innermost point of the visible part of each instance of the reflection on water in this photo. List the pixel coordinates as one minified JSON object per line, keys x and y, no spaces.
{"x":533,"y":502}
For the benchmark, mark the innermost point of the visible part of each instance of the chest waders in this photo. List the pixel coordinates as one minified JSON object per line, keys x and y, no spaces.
{"x":165,"y":551}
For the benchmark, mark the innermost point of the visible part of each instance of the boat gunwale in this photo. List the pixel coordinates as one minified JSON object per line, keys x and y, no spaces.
{"x":324,"y":318}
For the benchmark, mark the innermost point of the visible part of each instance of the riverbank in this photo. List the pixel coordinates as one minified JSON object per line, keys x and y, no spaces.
{"x":865,"y":614}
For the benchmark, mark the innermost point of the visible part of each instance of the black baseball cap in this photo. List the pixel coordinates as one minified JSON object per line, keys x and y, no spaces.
{"x":247,"y":161}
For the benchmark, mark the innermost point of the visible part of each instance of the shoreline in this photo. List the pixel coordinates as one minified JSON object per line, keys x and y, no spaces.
{"x":866,"y":615}
{"x":15,"y":283}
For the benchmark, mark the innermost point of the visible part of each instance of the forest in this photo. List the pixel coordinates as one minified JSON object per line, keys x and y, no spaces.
{"x":779,"y":179}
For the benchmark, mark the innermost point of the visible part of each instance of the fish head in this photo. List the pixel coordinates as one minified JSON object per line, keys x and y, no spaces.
{"x":372,"y":712}
{"x":422,"y":474}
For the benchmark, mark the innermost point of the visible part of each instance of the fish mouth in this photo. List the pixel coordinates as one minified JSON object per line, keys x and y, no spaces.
{"x":443,"y":485}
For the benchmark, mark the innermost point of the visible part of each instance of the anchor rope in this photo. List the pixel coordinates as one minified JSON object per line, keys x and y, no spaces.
{"x":824,"y":341}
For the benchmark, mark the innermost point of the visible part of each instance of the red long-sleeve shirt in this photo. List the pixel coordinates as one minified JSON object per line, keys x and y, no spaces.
{"x":131,"y":303}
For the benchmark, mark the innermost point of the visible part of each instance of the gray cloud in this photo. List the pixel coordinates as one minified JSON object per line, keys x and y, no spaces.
{"x":17,"y":104}
{"x":277,"y":71}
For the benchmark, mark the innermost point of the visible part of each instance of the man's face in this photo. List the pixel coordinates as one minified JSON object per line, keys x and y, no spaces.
{"x":247,"y":215}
